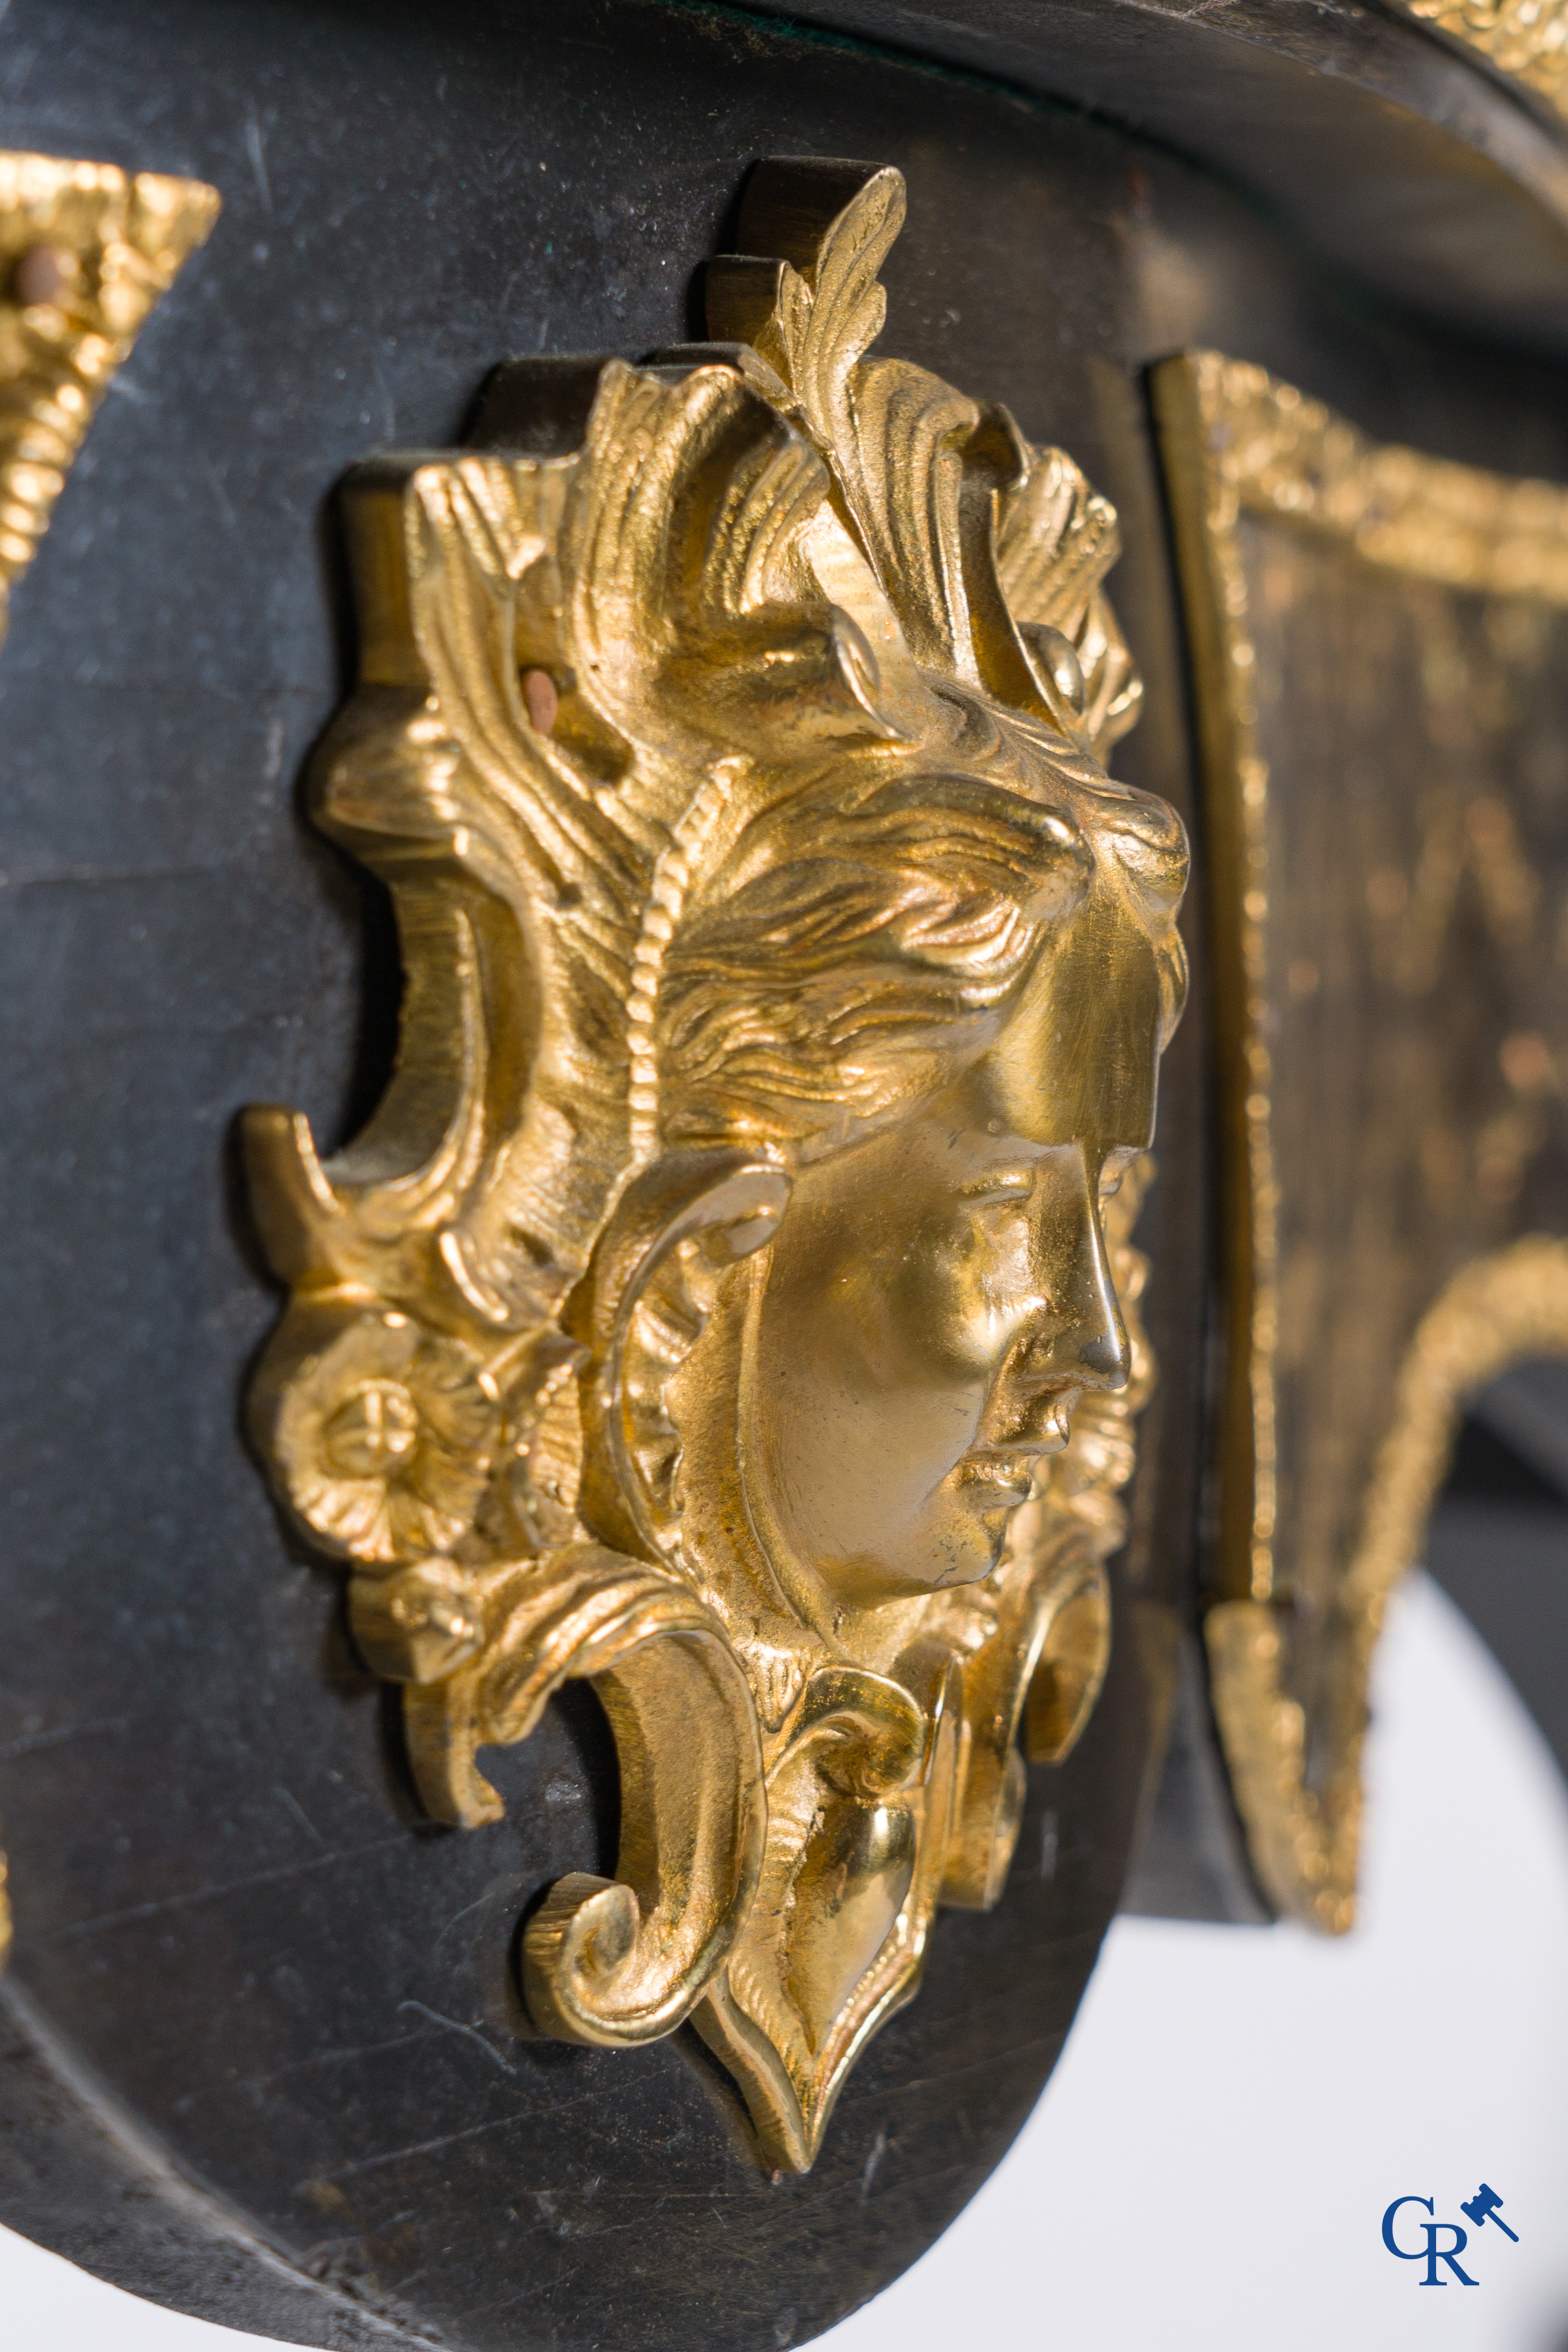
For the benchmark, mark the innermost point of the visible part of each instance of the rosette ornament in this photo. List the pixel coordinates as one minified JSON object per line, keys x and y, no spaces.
{"x":384,"y":1439}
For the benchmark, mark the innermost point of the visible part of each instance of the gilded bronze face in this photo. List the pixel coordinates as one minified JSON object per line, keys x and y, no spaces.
{"x":705,"y":1311}
{"x":941,"y":1295}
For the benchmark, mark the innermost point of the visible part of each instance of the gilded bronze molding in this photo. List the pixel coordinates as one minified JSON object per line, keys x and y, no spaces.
{"x":1377,"y":639}
{"x":1304,"y":1839}
{"x":85,"y":252}
{"x":1525,"y":39}
{"x":705,"y":1309}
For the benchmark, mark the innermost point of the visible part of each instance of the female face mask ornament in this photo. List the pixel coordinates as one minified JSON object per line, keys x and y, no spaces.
{"x":731,"y":1300}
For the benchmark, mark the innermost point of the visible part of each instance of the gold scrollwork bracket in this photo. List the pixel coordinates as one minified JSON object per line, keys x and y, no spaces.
{"x":614,"y":1962}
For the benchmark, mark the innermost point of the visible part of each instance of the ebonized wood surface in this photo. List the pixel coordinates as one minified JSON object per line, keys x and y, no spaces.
{"x":278,"y":1977}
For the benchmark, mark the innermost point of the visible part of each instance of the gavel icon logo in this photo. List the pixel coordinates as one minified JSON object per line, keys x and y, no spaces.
{"x":1483,"y":2206}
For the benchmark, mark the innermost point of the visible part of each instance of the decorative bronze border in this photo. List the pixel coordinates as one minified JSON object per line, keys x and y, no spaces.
{"x":1233,"y":439}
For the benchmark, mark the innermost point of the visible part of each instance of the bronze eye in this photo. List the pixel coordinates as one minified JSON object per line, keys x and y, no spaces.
{"x":998,"y":1191}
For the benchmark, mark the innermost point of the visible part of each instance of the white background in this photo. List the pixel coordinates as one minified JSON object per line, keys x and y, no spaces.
{"x":1209,"y":2164}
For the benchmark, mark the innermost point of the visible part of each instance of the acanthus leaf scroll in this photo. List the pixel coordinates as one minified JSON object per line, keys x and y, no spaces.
{"x":729,"y":735}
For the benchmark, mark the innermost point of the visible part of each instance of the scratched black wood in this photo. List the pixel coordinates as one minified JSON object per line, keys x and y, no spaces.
{"x":229,"y":1913}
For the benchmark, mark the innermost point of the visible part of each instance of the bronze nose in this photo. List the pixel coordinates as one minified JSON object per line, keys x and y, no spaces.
{"x":1107,"y":1358}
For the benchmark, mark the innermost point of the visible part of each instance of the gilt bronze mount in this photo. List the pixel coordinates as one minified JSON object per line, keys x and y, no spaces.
{"x":732,"y":1302}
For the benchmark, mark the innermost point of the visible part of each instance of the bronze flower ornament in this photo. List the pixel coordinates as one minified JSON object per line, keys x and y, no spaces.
{"x":705,"y":1307}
